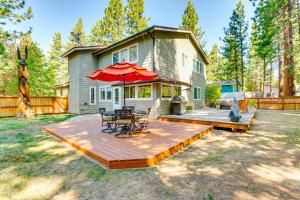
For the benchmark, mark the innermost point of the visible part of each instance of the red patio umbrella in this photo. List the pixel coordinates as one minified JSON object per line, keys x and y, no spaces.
{"x":123,"y":72}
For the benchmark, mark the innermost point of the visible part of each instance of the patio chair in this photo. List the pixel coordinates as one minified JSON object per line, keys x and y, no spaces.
{"x":143,"y":121}
{"x":107,"y":121}
{"x":124,"y":120}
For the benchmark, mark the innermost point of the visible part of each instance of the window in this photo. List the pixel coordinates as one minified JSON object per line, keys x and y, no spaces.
{"x":133,"y":54}
{"x":92,"y":95}
{"x":102,"y":94}
{"x":198,"y":67}
{"x":108,"y":93}
{"x":124,"y":55}
{"x":130,"y":92}
{"x":166,"y":91}
{"x":105,"y":93}
{"x":184,"y":60}
{"x":115,"y":57}
{"x":197,"y":93}
{"x":176,"y":91}
{"x":144,"y":91}
{"x":129,"y":54}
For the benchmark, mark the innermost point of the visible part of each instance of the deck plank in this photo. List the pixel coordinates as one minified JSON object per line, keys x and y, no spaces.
{"x":141,"y":150}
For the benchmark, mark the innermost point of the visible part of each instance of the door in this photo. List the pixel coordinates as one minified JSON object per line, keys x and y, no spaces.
{"x":116,"y":98}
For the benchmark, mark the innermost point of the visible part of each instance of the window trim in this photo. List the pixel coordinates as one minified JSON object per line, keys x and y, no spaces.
{"x":200,"y":63}
{"x":197,"y":95}
{"x":128,"y":53}
{"x":135,"y":92}
{"x":95,"y":95}
{"x":184,"y":57}
{"x":172,"y":89}
{"x":105,"y":91}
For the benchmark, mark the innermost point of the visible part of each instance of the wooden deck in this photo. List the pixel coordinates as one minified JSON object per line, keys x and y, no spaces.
{"x":214,"y":117}
{"x":141,"y":150}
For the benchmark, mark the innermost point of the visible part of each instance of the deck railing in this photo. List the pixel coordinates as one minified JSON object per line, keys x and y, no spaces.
{"x":40,"y":105}
{"x":280,"y":103}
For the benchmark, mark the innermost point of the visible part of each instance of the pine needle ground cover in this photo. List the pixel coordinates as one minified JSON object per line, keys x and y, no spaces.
{"x":263,"y":163}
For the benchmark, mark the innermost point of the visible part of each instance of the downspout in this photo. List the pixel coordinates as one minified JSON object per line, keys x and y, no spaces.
{"x":154,"y":52}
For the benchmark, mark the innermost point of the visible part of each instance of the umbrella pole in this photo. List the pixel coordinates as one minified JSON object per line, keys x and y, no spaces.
{"x":124,"y":91}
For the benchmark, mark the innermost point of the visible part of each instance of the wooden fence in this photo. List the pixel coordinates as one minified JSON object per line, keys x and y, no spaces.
{"x":40,"y":105}
{"x":282,"y":103}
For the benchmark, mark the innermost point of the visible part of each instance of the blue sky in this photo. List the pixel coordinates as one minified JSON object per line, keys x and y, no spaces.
{"x":52,"y":16}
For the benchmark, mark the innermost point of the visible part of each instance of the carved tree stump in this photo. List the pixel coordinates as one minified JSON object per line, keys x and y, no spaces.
{"x":24,"y":106}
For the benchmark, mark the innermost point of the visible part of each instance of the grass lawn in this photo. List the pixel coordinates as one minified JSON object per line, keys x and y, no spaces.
{"x":263,"y":163}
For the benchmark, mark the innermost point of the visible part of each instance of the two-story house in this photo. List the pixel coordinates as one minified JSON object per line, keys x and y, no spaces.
{"x":173,"y":54}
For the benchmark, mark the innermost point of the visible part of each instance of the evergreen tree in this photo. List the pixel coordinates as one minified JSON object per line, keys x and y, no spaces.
{"x":57,"y":64}
{"x":190,"y":21}
{"x":41,"y":77}
{"x":77,"y":30}
{"x":111,"y":28}
{"x":235,"y":46}
{"x":135,"y":19}
{"x":216,"y":62}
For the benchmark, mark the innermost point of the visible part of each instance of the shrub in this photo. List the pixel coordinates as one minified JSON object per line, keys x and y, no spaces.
{"x":213,"y":93}
{"x":188,"y":107}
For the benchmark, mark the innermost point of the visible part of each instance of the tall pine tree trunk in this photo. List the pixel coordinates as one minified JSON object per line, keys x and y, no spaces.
{"x":279,"y":60}
{"x":288,"y":59}
{"x":264,"y":77}
{"x":271,"y":71}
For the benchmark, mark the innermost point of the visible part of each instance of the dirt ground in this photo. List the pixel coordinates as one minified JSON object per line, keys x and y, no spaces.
{"x":263,"y":163}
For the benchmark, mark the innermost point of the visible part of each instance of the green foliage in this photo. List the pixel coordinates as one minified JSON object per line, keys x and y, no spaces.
{"x":57,"y":64}
{"x":234,"y":48}
{"x":134,"y":15}
{"x":188,"y":107}
{"x":112,"y":26}
{"x":213,"y":93}
{"x":2,"y":48}
{"x":190,"y":22}
{"x":41,"y":77}
{"x":216,"y":63}
{"x":78,"y":29}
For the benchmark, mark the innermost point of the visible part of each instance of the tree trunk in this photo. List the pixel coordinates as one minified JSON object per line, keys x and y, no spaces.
{"x":264,"y":77}
{"x":288,"y":59}
{"x":271,"y":71}
{"x":279,"y":60}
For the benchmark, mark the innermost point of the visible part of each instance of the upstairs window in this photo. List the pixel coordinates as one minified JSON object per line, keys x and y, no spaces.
{"x":129,"y":54}
{"x":198,"y":67}
{"x":115,"y":58}
{"x":184,"y":60}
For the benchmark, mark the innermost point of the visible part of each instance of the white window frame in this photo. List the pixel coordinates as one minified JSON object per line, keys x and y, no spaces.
{"x":128,"y":54}
{"x":135,"y":90}
{"x":105,"y":92}
{"x":172,"y":89}
{"x":197,"y":95}
{"x":184,"y":60}
{"x":95,"y":95}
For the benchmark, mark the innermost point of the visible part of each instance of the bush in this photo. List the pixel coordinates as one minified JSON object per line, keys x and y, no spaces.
{"x":213,"y":93}
{"x":188,"y":107}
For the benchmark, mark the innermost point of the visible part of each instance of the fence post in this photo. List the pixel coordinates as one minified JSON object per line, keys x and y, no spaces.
{"x":282,"y":104}
{"x":257,"y":103}
{"x":53,"y":105}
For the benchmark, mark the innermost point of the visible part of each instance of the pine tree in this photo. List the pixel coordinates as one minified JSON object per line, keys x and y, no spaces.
{"x":77,"y":30}
{"x":190,"y":22}
{"x":216,"y":62}
{"x":111,"y":28}
{"x":135,"y":19}
{"x":58,"y":65}
{"x":41,"y":77}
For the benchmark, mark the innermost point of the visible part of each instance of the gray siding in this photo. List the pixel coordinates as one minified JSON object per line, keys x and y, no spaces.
{"x":73,"y":96}
{"x":169,"y":49}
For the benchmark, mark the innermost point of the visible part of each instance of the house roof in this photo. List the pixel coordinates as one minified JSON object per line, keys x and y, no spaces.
{"x":155,"y":28}
{"x":158,"y":79}
{"x":228,"y":82}
{"x":82,"y":48}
